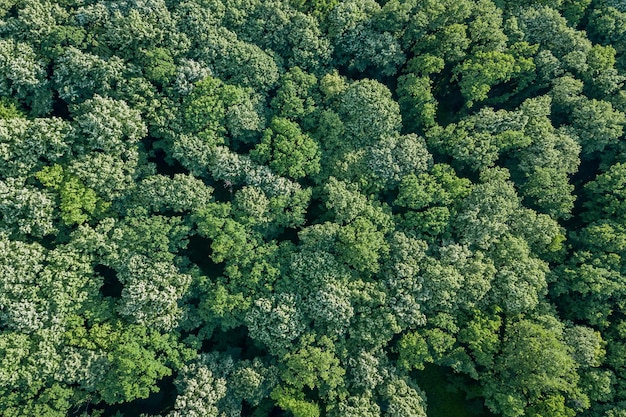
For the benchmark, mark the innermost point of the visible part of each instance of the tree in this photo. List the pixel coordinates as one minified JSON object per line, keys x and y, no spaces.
{"x":107,"y":125}
{"x":535,"y":373}
{"x":597,"y":124}
{"x":292,"y":35}
{"x":24,"y":76}
{"x":297,"y":98}
{"x":361,"y":44}
{"x":228,"y":55}
{"x":79,"y":75}
{"x":199,"y":392}
{"x":368,"y":113}
{"x":477,"y":75}
{"x":403,"y":399}
{"x":276,"y":322}
{"x":487,"y":210}
{"x":151,"y":293}
{"x":314,"y":367}
{"x":307,"y":207}
{"x":215,"y":109}
{"x":606,"y":195}
{"x":287,"y":150}
{"x":26,"y":210}
{"x":78,"y":203}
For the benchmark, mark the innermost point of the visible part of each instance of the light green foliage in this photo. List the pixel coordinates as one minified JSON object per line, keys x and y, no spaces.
{"x":608,"y":194}
{"x":159,"y":65}
{"x":394,"y":157}
{"x":460,"y":279}
{"x":25,"y":209}
{"x":276,"y":322}
{"x":77,"y":202}
{"x":292,"y":401}
{"x":294,"y":36}
{"x":439,"y":28}
{"x":404,"y":400}
{"x":439,"y":187}
{"x":214,"y":109}
{"x":313,"y":367}
{"x":199,"y":391}
{"x":21,"y":397}
{"x":487,"y":210}
{"x":430,"y":199}
{"x":24,"y":143}
{"x":9,"y":110}
{"x":182,"y":193}
{"x":477,"y":141}
{"x":413,"y":351}
{"x":287,"y":150}
{"x":80,"y":75}
{"x":534,"y":372}
{"x":356,"y":406}
{"x":106,"y":125}
{"x":308,"y":207}
{"x":477,"y":75}
{"x":230,"y":238}
{"x":359,"y":42}
{"x":215,"y":384}
{"x":547,"y":163}
{"x":587,"y":345}
{"x":151,"y":293}
{"x":360,"y":240}
{"x":22,"y":307}
{"x":130,"y":27}
{"x":545,"y":26}
{"x":296,"y":98}
{"x":417,"y":101}
{"x":608,"y":26}
{"x":135,"y":358}
{"x":23,"y":76}
{"x":403,"y":275}
{"x":368,"y":113}
{"x":109,"y":174}
{"x":520,"y":279}
{"x":597,"y":124}
{"x":482,"y":338}
{"x":228,"y":55}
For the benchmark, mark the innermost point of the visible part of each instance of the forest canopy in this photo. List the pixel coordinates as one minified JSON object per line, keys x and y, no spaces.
{"x":312,"y":208}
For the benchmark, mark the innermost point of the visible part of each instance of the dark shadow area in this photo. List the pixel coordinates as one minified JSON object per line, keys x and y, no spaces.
{"x":450,"y":108}
{"x":446,"y":393}
{"x":587,"y":171}
{"x":265,"y":409}
{"x":48,"y":242}
{"x":164,"y":165}
{"x":160,"y":402}
{"x":233,"y":339}
{"x":223,"y":191}
{"x":60,"y":108}
{"x":111,"y":286}
{"x":289,"y":234}
{"x":316,"y":212}
{"x":198,"y":251}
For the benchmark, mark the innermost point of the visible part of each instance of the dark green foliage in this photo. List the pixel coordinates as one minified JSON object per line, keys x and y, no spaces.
{"x":310,"y":208}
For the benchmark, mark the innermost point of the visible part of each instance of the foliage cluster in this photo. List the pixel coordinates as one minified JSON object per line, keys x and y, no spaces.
{"x":312,"y":208}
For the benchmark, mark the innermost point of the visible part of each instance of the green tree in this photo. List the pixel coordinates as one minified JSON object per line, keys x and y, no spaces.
{"x":535,"y":373}
{"x":287,"y":150}
{"x":24,"y":76}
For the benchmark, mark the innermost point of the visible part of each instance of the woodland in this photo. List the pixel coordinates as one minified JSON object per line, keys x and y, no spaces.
{"x":312,"y":208}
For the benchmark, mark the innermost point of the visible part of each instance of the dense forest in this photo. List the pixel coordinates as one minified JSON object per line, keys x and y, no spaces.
{"x":309,"y":208}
